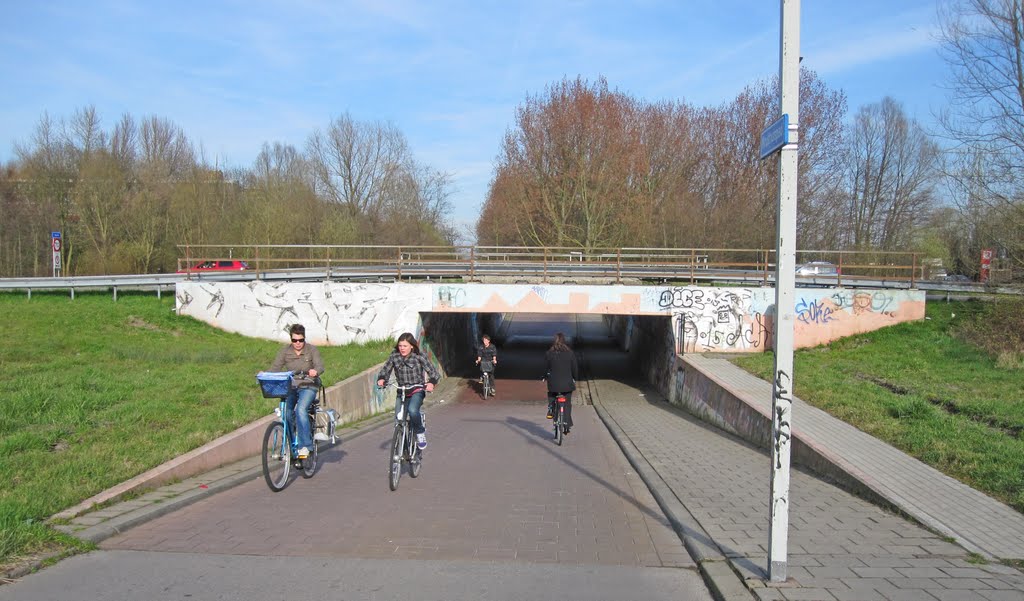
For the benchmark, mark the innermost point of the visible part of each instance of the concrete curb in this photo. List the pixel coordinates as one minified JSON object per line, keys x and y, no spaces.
{"x":724,"y":583}
{"x":223,"y":450}
{"x":119,"y":524}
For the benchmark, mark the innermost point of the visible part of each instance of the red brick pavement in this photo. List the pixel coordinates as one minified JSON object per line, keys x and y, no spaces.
{"x":494,"y":487}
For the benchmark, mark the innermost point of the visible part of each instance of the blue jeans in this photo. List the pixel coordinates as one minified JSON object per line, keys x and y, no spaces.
{"x":298,"y":402}
{"x":415,"y":416}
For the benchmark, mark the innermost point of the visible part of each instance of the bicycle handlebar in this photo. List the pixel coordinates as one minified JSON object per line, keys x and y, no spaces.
{"x":391,"y":383}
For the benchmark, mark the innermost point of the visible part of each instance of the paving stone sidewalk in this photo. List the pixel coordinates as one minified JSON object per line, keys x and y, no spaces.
{"x":841,"y":548}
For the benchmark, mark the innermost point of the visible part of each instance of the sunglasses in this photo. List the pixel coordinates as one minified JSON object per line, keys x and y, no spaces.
{"x":298,"y":339}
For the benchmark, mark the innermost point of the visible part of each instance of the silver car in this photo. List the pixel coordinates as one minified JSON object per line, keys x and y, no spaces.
{"x":821,"y":268}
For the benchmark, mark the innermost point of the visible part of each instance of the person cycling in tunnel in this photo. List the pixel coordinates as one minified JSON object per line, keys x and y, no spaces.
{"x":561,"y":377}
{"x":411,"y":369}
{"x":487,"y":357}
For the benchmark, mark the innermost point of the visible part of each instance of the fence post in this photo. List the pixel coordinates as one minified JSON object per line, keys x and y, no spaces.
{"x":398,"y":265}
{"x":545,"y":265}
{"x":913,"y":269}
{"x":618,"y":266}
{"x":693,"y":261}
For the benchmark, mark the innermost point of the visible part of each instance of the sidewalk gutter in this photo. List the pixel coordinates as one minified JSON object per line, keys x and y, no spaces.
{"x":724,"y":583}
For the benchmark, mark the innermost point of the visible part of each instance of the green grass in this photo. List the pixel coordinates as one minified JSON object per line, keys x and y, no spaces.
{"x":97,"y":391}
{"x":919,"y":387}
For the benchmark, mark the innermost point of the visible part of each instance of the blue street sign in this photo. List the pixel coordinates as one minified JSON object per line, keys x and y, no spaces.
{"x":55,"y":234}
{"x":775,"y":136}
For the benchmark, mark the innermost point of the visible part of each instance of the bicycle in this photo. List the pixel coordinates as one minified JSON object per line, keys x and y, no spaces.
{"x":487,"y":381}
{"x":403,"y":443}
{"x":280,"y":444}
{"x":560,"y":427}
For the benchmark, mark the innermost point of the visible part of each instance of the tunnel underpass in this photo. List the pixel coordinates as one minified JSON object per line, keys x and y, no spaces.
{"x":613,"y":347}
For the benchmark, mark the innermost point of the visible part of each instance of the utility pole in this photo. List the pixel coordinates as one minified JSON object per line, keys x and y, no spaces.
{"x":785,"y":291}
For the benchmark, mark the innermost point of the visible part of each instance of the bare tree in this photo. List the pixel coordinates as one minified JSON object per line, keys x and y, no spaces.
{"x":983,"y":43}
{"x":369,"y":169}
{"x":891,"y":167}
{"x":124,"y":142}
{"x":563,"y":175}
{"x":85,"y":134}
{"x":166,"y":152}
{"x":353,"y":163}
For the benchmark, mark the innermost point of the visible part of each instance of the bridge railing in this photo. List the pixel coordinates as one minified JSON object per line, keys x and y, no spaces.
{"x":558,"y":263}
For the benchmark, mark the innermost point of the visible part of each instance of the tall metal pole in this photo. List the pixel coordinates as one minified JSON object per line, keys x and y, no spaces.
{"x":785,"y":292}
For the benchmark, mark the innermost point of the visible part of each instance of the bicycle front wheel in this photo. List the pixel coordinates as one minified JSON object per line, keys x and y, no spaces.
{"x":395,"y":467}
{"x":277,"y":459}
{"x":415,"y":458}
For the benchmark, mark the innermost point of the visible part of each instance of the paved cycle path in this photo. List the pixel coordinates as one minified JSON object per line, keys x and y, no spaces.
{"x":494,"y":488}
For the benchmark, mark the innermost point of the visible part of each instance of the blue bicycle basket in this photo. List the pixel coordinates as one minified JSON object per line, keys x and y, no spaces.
{"x":275,"y":384}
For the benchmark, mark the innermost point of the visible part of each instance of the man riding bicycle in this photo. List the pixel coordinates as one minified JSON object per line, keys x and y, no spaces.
{"x":303,"y":359}
{"x":487,"y":357}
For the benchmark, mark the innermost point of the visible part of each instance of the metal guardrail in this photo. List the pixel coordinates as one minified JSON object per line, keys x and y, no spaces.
{"x":514,"y":264}
{"x":168,"y":281}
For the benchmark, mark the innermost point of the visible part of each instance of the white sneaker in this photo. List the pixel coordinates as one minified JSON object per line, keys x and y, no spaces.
{"x":321,"y":436}
{"x":303,"y":453}
{"x":421,"y":441}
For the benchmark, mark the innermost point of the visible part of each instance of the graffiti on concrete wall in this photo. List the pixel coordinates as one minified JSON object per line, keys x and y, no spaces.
{"x":333,"y":313}
{"x":843,"y":304}
{"x":703,"y":318}
{"x":716,"y":319}
{"x":860,"y":301}
{"x":813,"y":311}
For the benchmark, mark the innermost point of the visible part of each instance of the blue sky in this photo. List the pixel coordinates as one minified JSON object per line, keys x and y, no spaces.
{"x":448,"y":74}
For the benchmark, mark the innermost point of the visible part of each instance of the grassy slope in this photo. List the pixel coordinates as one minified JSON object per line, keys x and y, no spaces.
{"x":97,"y":392}
{"x":923,"y":391}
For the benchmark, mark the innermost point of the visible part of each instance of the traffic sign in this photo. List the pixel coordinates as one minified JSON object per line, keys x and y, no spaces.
{"x":55,"y":244}
{"x":775,"y":136}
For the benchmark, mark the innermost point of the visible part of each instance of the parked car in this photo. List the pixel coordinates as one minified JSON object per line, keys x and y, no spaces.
{"x":823,"y":268}
{"x":957,"y":278}
{"x":229,"y":265}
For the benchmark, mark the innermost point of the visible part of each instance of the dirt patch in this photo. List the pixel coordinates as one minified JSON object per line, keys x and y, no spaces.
{"x":948,"y":406}
{"x":138,"y":322}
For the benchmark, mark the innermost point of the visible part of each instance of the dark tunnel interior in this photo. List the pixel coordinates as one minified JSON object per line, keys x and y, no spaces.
{"x":621,"y":347}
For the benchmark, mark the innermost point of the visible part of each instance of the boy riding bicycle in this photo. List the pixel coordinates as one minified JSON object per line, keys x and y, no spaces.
{"x":487,"y":357}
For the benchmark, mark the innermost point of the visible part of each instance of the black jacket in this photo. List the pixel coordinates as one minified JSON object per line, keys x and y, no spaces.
{"x":562,"y":371}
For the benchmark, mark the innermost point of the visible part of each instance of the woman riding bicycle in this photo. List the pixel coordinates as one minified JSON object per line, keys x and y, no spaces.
{"x":487,"y":356}
{"x":298,"y":356}
{"x":561,"y":376}
{"x":410,"y":369}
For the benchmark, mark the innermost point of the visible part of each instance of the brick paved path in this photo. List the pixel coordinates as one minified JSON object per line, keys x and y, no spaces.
{"x":840,"y":547}
{"x":493,"y":488}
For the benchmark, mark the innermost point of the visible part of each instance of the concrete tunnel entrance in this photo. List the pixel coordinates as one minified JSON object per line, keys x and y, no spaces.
{"x":627,"y":348}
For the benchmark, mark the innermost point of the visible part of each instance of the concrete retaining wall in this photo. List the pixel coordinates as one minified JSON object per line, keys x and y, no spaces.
{"x":700,"y":394}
